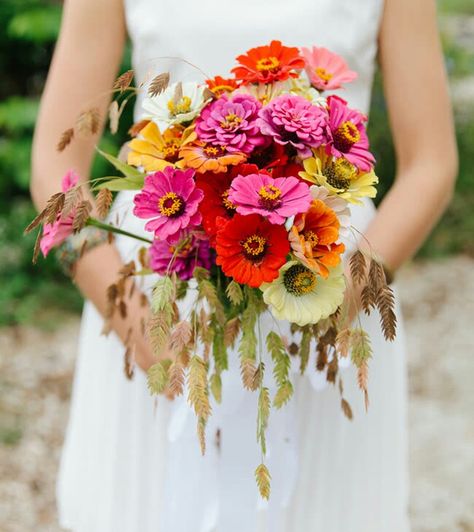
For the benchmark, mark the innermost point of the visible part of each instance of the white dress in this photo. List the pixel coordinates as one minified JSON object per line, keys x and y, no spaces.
{"x":132,"y":463}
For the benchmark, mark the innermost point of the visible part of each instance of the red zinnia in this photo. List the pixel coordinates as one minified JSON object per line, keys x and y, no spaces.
{"x":220,"y":85}
{"x":251,"y":250}
{"x":216,"y":208}
{"x":266,"y":64}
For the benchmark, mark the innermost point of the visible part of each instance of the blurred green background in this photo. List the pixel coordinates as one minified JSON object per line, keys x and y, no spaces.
{"x":29,"y":30}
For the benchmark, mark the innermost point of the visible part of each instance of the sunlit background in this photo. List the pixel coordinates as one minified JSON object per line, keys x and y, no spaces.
{"x":39,"y":308}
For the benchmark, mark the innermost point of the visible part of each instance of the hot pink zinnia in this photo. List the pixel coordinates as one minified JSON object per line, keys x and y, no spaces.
{"x":349,"y":137}
{"x":293,"y":120}
{"x":182,"y":257}
{"x":276,"y":199}
{"x":171,"y":199}
{"x":326,"y":70}
{"x":231,"y":122}
{"x":56,"y":233}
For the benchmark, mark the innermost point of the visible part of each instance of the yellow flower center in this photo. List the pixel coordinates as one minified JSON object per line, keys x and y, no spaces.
{"x":180,"y":107}
{"x":170,"y":205}
{"x":170,"y":150}
{"x":312,"y":238}
{"x":269,"y":196}
{"x":323,"y":74}
{"x":221,"y":89}
{"x":346,"y":136}
{"x":231,"y":121}
{"x":299,"y":280}
{"x":227,"y":203}
{"x":254,"y":246}
{"x":212,"y":151}
{"x":268,"y":64}
{"x":340,"y":173}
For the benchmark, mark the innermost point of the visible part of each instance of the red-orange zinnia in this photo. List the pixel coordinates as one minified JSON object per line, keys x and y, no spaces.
{"x":265,"y":64}
{"x":220,"y":85}
{"x":313,"y":238}
{"x":251,"y":250}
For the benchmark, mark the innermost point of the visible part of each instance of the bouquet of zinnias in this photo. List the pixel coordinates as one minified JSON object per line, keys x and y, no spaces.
{"x":244,"y":185}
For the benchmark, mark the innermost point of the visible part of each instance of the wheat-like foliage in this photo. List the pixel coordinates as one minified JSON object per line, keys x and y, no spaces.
{"x":234,"y":293}
{"x":123,"y":82}
{"x":176,"y":378}
{"x":346,"y":408}
{"x":88,"y":122}
{"x":304,"y":349}
{"x":181,"y":336}
{"x":248,"y":371}
{"x":104,"y":201}
{"x":343,"y":342}
{"x":71,"y":199}
{"x":65,"y":139}
{"x":157,"y":377}
{"x":114,"y":116}
{"x":82,"y":215}
{"x":263,"y":413}
{"x":358,"y":267}
{"x":231,"y":331}
{"x":215,"y":384}
{"x":283,"y":394}
{"x":386,"y":306}
{"x":262,"y":476}
{"x":158,"y":84}
{"x":163,"y":294}
{"x":198,"y":395}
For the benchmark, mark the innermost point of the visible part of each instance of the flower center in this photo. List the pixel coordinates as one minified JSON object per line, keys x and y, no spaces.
{"x":181,"y":106}
{"x":270,"y":196}
{"x":231,"y":121}
{"x":340,"y":173}
{"x":312,"y":238}
{"x":218,"y":90}
{"x":299,"y":280}
{"x":346,"y":136}
{"x":171,"y":150}
{"x":254,"y":247}
{"x":229,"y":206}
{"x":323,"y":74}
{"x":170,"y":205}
{"x":268,"y":64}
{"x":213,"y":152}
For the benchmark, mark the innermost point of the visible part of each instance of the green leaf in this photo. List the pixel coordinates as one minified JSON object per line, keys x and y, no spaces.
{"x":117,"y":183}
{"x":124,"y":168}
{"x":157,"y":377}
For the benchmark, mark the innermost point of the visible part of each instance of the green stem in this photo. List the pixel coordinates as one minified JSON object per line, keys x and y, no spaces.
{"x":111,"y":229}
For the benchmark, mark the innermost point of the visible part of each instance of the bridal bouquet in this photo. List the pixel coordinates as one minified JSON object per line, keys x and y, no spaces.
{"x":244,"y":185}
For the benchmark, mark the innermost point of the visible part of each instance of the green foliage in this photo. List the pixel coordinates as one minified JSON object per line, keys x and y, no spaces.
{"x":35,"y":24}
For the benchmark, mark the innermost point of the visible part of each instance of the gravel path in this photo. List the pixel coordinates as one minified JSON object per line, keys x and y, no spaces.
{"x":438,"y":300}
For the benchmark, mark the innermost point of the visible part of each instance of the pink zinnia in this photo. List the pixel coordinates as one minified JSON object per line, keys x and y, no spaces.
{"x":349,"y":137}
{"x":293,"y":120}
{"x":56,"y":233}
{"x":326,"y":70}
{"x":275,"y":199}
{"x":231,"y":122}
{"x":182,"y":257}
{"x":171,"y":199}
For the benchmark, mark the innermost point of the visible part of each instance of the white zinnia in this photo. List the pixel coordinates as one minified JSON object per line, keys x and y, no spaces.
{"x":165,"y":111}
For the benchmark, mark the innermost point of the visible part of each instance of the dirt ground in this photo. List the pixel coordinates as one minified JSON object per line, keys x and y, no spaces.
{"x":438,"y":300}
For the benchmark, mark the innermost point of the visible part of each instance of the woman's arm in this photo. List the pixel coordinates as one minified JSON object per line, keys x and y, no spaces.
{"x":84,"y":66}
{"x":422,"y":125}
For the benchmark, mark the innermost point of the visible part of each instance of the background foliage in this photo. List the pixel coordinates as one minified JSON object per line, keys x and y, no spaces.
{"x":29,"y":30}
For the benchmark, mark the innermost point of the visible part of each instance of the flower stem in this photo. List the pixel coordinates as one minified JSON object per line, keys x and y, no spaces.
{"x":112,"y":229}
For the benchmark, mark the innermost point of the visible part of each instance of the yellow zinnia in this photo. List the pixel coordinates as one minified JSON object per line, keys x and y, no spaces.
{"x":339,"y":177}
{"x":301,"y":296}
{"x":155,"y":151}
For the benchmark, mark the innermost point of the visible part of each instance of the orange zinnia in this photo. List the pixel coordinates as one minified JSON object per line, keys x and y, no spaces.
{"x":220,"y":85}
{"x":205,"y":157}
{"x":251,"y":250}
{"x":313,"y":238}
{"x":266,"y":64}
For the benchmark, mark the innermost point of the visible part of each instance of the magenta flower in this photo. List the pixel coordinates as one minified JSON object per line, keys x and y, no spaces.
{"x":326,"y":70}
{"x":293,"y":120}
{"x":56,"y":233}
{"x":182,"y":257}
{"x":349,"y":137}
{"x":171,"y":199}
{"x":275,"y":199}
{"x":231,"y":122}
